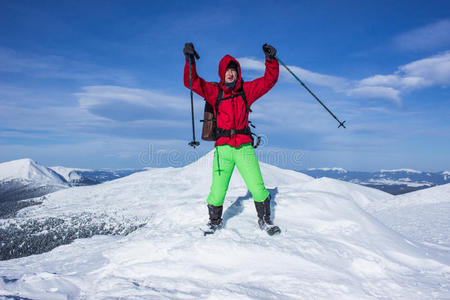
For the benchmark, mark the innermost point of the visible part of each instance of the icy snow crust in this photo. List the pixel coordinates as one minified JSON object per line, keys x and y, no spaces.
{"x":330,"y":248}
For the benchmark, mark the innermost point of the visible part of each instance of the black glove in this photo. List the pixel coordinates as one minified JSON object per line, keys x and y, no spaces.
{"x":189,"y":51}
{"x":269,"y":51}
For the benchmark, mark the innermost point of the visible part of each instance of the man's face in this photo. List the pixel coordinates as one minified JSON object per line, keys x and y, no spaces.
{"x":230,"y":75}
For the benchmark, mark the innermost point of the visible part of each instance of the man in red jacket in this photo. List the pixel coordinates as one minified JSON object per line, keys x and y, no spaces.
{"x":233,"y":138}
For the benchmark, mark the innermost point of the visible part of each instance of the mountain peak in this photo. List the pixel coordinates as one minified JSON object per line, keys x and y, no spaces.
{"x":28,"y":169}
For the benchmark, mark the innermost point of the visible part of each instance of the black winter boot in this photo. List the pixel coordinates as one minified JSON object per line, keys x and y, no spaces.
{"x":264,"y":221}
{"x":263,"y":211}
{"x":215,"y":218}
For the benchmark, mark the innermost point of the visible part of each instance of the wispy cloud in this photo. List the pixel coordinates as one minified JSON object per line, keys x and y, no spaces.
{"x":96,"y":95}
{"x":100,"y":111}
{"x":352,"y":88}
{"x":434,"y":70}
{"x":430,"y":37}
{"x":376,"y":92}
{"x":59,"y":67}
{"x":129,"y":104}
{"x":430,"y":71}
{"x":334,"y":82}
{"x":116,"y":152}
{"x":427,"y":72}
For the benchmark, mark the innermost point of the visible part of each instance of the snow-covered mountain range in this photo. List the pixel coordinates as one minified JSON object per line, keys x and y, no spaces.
{"x":337,"y":241}
{"x":395,"y":182}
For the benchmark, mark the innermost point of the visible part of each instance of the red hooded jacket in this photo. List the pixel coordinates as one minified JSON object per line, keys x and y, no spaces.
{"x":232,"y":113}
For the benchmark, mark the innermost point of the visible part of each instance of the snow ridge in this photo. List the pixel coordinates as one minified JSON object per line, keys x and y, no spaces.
{"x":339,"y":170}
{"x":401,"y":170}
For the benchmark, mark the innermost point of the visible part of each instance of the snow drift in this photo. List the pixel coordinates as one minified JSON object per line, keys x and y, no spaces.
{"x":330,"y":247}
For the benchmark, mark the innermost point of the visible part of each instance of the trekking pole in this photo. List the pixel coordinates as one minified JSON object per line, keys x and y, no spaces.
{"x":301,"y":82}
{"x":194,"y":143}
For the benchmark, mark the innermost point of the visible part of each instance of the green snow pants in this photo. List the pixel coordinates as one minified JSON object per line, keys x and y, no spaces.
{"x":244,"y":157}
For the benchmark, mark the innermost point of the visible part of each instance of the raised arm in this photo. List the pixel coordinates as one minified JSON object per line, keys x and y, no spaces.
{"x":199,"y":85}
{"x":256,"y":88}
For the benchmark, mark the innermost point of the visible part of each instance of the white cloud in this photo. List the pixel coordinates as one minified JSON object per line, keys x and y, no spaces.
{"x":376,"y":92}
{"x":431,"y":71}
{"x":83,"y":118}
{"x":435,"y":69}
{"x":49,"y":118}
{"x":367,"y":88}
{"x":334,"y":82}
{"x":251,"y":63}
{"x":397,"y":81}
{"x":105,"y":94}
{"x":52,"y":66}
{"x":100,"y":151}
{"x":431,"y":36}
{"x":381,"y":80}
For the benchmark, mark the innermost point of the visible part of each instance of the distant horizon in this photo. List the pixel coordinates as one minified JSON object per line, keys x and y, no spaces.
{"x":328,"y":168}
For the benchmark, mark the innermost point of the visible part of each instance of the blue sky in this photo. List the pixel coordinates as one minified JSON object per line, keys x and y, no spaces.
{"x":98,"y":84}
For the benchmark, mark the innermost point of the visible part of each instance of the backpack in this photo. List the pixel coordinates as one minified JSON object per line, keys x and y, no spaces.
{"x":210,"y":131}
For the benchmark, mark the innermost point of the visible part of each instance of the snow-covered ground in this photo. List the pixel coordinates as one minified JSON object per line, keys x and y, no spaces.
{"x":330,"y":246}
{"x":422,"y":215}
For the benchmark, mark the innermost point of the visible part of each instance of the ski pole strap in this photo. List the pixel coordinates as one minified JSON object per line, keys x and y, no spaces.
{"x":341,"y":124}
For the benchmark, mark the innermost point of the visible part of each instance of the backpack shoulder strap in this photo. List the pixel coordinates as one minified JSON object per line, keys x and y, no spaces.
{"x":219,"y":97}
{"x":241,"y":91}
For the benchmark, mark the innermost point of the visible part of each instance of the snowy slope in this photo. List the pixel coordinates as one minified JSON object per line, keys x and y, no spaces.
{"x":27,"y":169}
{"x":330,"y":248}
{"x":421,"y":215}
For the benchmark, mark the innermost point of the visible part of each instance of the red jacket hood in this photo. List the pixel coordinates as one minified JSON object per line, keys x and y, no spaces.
{"x":224,"y":62}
